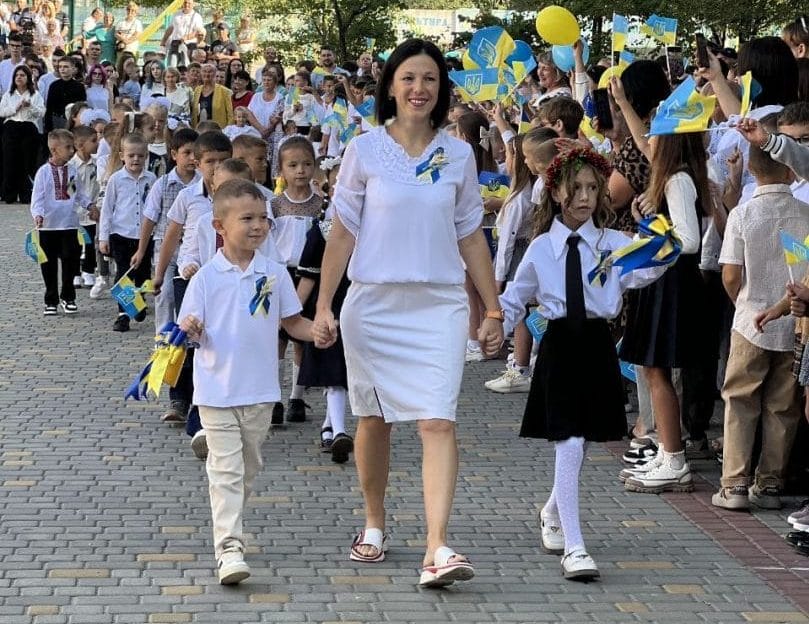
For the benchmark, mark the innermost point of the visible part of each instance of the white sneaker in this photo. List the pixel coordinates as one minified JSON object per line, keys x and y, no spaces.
{"x":199,"y":444}
{"x":510,"y":381}
{"x":578,"y":565}
{"x":77,"y":281}
{"x":232,"y":568}
{"x":88,"y":278}
{"x":553,"y":538}
{"x":661,"y":478}
{"x":474,"y":355}
{"x":628,"y":473}
{"x":97,"y":291}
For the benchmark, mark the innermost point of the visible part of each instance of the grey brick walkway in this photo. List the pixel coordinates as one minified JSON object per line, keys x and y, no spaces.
{"x":105,"y":517}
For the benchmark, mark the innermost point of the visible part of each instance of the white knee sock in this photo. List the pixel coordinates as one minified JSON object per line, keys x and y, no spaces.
{"x":297,"y":391}
{"x":569,"y":459}
{"x":335,"y":408}
{"x":550,"y":508}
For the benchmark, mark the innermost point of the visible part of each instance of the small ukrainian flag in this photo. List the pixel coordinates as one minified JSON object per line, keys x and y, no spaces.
{"x":685,"y":110}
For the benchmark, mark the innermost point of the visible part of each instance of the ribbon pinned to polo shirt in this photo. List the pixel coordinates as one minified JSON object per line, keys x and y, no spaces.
{"x":430,"y":170}
{"x":661,"y":247}
{"x":261,"y":300}
{"x":164,"y":364}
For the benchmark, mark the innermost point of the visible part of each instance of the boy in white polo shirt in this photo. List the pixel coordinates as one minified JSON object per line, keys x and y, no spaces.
{"x":232,"y":308}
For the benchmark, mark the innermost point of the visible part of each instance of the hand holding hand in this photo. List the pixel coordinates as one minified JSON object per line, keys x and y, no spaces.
{"x":324,"y":329}
{"x":490,"y":336}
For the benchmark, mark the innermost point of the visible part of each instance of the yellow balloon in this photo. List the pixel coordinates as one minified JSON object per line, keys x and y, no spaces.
{"x":557,"y":26}
{"x":615,"y":70}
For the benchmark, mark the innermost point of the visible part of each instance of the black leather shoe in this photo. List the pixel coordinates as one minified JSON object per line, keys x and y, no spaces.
{"x":296,"y":411}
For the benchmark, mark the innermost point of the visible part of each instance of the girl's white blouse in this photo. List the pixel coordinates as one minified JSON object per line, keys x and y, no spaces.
{"x":406,"y":229}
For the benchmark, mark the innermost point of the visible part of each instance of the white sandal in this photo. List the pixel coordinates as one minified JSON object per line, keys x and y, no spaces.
{"x":369,"y":537}
{"x":443,"y":572}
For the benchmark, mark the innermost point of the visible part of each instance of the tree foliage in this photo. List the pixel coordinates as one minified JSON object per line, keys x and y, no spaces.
{"x":297,"y":28}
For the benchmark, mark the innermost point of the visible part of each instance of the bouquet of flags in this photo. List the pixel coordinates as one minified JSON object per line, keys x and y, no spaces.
{"x":164,"y":365}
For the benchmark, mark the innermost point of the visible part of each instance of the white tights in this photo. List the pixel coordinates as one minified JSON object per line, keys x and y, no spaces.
{"x":564,"y":499}
{"x":335,"y":409}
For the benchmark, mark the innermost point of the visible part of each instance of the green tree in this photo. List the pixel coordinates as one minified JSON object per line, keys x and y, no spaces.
{"x":298,"y":27}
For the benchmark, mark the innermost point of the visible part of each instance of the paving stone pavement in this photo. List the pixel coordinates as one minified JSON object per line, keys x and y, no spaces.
{"x":104,"y":513}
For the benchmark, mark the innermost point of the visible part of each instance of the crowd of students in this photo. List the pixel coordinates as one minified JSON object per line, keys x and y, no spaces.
{"x":253,"y":211}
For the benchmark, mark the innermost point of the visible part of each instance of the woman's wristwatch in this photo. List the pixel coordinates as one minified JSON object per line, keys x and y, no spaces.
{"x":497,"y":315}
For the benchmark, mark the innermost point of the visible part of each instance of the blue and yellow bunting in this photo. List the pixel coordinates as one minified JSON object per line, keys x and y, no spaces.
{"x":429,"y":171}
{"x":261,"y":300}
{"x":685,"y":110}
{"x":33,"y":249}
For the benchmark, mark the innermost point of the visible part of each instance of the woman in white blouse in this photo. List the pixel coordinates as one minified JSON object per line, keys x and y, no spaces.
{"x":152,"y":84}
{"x":178,"y":95}
{"x":267,"y":110}
{"x":99,"y":95}
{"x":408,"y":216}
{"x":22,"y":108}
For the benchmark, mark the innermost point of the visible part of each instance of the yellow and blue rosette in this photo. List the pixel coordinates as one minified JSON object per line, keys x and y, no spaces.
{"x":429,"y":171}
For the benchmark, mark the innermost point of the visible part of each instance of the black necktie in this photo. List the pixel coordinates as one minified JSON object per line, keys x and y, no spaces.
{"x":574,"y":288}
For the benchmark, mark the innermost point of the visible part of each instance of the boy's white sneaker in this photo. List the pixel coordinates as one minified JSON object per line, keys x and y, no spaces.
{"x":88,"y":279}
{"x":77,"y":281}
{"x":232,"y":568}
{"x":97,"y":291}
{"x":662,"y":478}
{"x":199,"y":444}
{"x":628,"y":473}
{"x":474,"y":355}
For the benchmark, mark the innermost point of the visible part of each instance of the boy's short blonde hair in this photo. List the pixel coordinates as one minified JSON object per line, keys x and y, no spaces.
{"x":59,"y":135}
{"x":236,"y":189}
{"x":247,"y":143}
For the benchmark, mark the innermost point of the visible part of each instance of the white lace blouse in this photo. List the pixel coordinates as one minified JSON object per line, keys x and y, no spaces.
{"x":407,"y":229}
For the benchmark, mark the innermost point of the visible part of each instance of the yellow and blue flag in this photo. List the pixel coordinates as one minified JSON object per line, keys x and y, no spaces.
{"x":525,"y":121}
{"x":477,"y":85}
{"x":685,"y":110}
{"x":625,"y":58}
{"x":129,"y":296}
{"x":292,"y":97}
{"x":84,"y":237}
{"x":795,"y":251}
{"x":663,"y":29}
{"x":750,"y":91}
{"x":490,"y":47}
{"x":537,"y":324}
{"x":33,"y":249}
{"x":164,"y":365}
{"x":367,"y":110}
{"x":369,"y":44}
{"x":493,"y":185}
{"x":620,"y":31}
{"x":338,"y":118}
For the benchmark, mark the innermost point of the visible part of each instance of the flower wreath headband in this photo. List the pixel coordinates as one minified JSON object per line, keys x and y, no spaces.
{"x":575,"y":157}
{"x":327,"y":164}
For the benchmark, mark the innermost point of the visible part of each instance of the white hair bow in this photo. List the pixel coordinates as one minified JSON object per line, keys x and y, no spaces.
{"x":486,"y":137}
{"x":327,"y":164}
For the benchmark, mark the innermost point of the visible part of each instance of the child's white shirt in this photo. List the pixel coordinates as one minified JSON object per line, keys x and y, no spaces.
{"x":58,"y":214}
{"x":237,"y":360}
{"x":541,"y":275}
{"x":124,"y":199}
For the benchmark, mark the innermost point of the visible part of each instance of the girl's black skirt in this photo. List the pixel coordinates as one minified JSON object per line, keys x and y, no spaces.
{"x":576,"y":390}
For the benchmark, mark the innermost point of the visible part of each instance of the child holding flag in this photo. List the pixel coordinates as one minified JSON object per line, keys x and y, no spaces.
{"x":56,"y":194}
{"x":759,"y":384}
{"x":119,"y":229}
{"x":232,"y":307}
{"x":577,"y":351}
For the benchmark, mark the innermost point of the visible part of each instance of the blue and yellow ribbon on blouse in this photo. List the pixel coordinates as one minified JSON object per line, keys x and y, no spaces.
{"x":261,"y":300}
{"x":598,"y":276}
{"x":429,"y":171}
{"x":660,"y":247}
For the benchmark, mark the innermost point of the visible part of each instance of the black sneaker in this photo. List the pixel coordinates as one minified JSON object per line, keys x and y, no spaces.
{"x":341,"y":446}
{"x":641,"y":455}
{"x":121,"y":324}
{"x":50,"y":311}
{"x":798,"y":538}
{"x":68,"y":307}
{"x":277,"y":415}
{"x":297,"y":411}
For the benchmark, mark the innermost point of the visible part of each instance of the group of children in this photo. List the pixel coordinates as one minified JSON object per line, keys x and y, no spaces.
{"x":172,"y":206}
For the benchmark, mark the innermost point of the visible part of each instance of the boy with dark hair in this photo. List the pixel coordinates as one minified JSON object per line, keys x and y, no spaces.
{"x":563,"y":115}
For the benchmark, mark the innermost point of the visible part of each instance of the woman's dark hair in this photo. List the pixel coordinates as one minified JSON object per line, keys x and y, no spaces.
{"x":469,"y":127}
{"x":229,"y":73}
{"x":774,"y":68}
{"x":594,"y":72}
{"x":29,"y":79}
{"x":306,"y":76}
{"x":646,"y":85}
{"x":797,"y":31}
{"x":803,"y":79}
{"x":386,"y":105}
{"x":244,"y":76}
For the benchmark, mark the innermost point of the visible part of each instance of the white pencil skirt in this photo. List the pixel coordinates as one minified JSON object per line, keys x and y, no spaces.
{"x":404,"y":347}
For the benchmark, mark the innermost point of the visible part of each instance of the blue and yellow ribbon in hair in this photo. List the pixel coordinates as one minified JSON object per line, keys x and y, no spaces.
{"x":33,"y":249}
{"x":660,"y":248}
{"x":429,"y":171}
{"x":261,"y":300}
